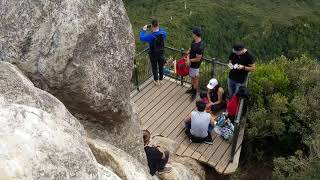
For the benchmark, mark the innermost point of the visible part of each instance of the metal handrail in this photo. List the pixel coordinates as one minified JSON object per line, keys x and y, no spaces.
{"x":237,"y":125}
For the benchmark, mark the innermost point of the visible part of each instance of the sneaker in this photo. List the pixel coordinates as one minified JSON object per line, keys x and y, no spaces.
{"x":160,"y":82}
{"x":190,"y":140}
{"x":156,"y":83}
{"x":165,"y":170}
{"x":208,"y":142}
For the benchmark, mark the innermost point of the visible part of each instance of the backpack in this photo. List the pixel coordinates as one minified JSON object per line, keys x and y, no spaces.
{"x":181,"y":68}
{"x":157,"y":45}
{"x":227,"y":130}
{"x":232,"y":106}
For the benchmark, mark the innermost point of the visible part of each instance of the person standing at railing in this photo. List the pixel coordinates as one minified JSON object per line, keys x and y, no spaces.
{"x":194,"y":59}
{"x":241,"y":62}
{"x":156,"y":41}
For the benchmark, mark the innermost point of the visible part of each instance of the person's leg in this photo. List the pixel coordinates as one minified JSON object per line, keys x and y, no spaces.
{"x":164,"y":161}
{"x":231,"y":87}
{"x":153,"y":61}
{"x":191,"y":74}
{"x":237,"y":87}
{"x":161,"y":64}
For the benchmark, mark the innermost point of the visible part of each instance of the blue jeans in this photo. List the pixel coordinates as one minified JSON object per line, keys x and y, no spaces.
{"x":233,"y":87}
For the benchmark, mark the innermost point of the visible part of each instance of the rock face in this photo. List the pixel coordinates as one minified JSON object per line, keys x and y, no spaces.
{"x":39,"y":138}
{"x":183,"y":168}
{"x":81,"y":52}
{"x":120,"y":162}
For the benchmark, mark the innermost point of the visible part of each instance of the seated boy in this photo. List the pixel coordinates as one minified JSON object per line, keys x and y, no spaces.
{"x":197,"y":125}
{"x":157,"y":159}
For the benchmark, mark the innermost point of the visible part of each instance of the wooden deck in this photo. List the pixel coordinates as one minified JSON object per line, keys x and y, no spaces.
{"x":162,"y":110}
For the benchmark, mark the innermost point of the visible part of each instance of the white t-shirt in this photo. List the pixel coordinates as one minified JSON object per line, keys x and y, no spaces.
{"x":199,"y":123}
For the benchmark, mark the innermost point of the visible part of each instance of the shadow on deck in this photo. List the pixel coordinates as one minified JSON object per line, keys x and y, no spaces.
{"x":162,"y":110}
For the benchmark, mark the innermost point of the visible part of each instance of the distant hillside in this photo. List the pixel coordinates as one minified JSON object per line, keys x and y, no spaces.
{"x":270,"y":28}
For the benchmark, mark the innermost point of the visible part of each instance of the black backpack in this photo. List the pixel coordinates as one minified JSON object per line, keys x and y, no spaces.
{"x":157,"y":46}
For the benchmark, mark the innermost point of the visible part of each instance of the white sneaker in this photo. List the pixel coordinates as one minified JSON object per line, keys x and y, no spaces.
{"x":156,"y":83}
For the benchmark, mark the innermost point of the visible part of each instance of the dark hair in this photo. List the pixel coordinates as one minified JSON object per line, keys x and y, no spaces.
{"x":146,"y":137}
{"x":154,"y":23}
{"x":201,"y":106}
{"x":238,"y":46}
{"x":197,"y":31}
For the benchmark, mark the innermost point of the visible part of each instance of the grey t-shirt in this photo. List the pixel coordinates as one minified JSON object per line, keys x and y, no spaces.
{"x":199,"y":123}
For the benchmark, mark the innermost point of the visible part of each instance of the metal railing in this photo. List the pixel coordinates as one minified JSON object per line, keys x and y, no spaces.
{"x":238,"y":124}
{"x":210,"y":68}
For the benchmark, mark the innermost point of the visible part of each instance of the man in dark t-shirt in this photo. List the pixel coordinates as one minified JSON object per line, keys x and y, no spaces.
{"x":241,"y":62}
{"x":194,"y":60}
{"x":157,"y":158}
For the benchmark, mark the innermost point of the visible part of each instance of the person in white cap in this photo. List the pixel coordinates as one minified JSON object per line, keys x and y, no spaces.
{"x":216,"y":95}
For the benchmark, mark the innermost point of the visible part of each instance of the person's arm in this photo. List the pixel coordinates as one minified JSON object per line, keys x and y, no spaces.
{"x":213,"y":121}
{"x":208,"y":96}
{"x":188,"y":119}
{"x":250,"y":67}
{"x":143,"y":36}
{"x":197,"y":59}
{"x":220,"y":95}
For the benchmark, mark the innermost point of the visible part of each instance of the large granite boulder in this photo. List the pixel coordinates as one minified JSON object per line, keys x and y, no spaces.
{"x":120,"y":162}
{"x":81,"y":52}
{"x":39,"y":138}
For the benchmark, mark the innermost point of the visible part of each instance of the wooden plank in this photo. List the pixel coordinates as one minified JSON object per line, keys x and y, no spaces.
{"x":152,"y":94}
{"x":166,"y":113}
{"x":164,"y":100}
{"x":211,"y":149}
{"x":202,"y":148}
{"x":170,"y":115}
{"x":135,"y":92}
{"x":216,"y":156}
{"x":191,"y":149}
{"x":232,"y":167}
{"x":184,"y":145}
{"x":223,"y":163}
{"x":142,"y":92}
{"x":161,"y":100}
{"x":177,"y":126}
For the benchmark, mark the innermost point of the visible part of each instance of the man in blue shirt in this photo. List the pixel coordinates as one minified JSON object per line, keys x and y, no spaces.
{"x":156,"y":39}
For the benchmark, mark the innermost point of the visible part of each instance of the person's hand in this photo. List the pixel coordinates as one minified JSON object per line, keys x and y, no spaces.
{"x":187,"y":63}
{"x":145,"y":27}
{"x":230,"y":65}
{"x":240,"y":66}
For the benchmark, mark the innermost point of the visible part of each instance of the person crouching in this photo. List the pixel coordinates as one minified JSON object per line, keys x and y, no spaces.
{"x":197,"y":125}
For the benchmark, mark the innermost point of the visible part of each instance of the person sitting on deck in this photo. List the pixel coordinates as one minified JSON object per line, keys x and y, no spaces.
{"x":157,"y":158}
{"x":197,"y":125}
{"x":215,"y":95}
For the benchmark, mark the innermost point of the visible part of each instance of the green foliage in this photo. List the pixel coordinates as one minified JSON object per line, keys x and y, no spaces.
{"x":284,"y":112}
{"x":269,"y":28}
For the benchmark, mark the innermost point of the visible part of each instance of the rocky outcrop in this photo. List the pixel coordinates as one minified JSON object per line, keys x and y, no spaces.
{"x":120,"y":162}
{"x":183,"y":168}
{"x":39,"y":138}
{"x":82,"y":53}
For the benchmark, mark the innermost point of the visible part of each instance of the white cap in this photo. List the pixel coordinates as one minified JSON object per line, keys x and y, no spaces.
{"x":212,"y":83}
